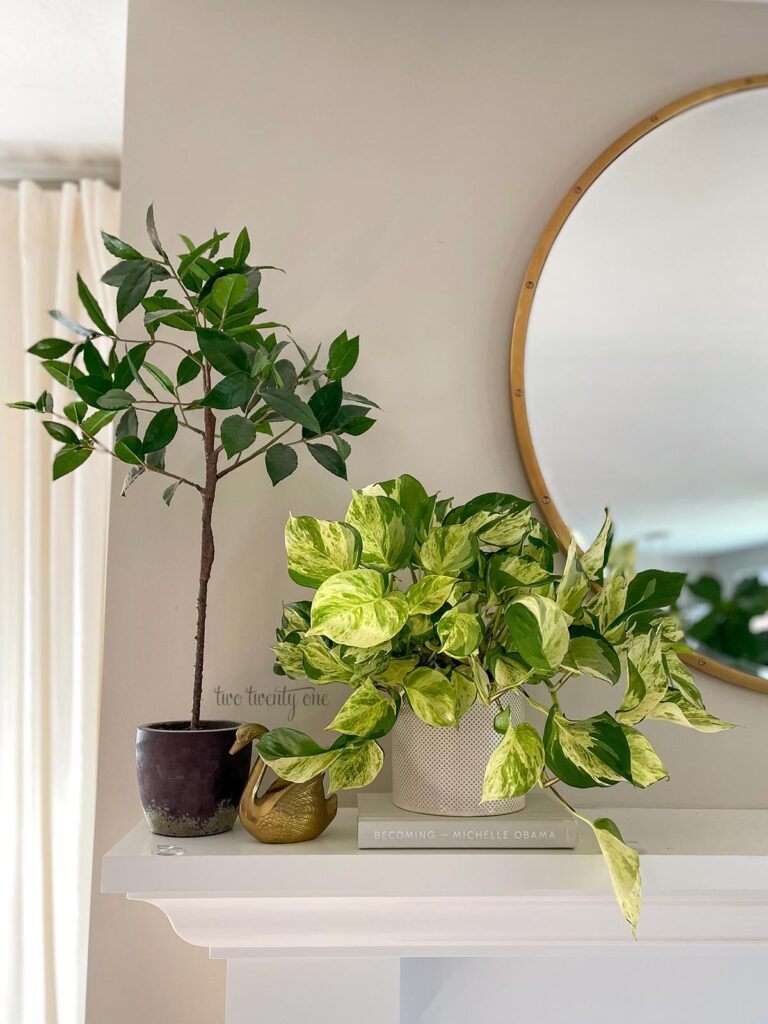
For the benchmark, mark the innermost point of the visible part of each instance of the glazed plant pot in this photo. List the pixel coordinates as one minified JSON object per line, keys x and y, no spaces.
{"x":189,"y":783}
{"x":441,"y":770}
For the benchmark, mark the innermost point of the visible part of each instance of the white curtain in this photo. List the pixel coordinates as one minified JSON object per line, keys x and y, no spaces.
{"x":52,"y":565}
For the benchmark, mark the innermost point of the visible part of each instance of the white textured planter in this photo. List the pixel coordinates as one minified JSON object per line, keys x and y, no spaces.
{"x":440,"y":770}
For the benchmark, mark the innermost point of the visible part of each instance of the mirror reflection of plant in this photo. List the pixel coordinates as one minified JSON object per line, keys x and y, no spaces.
{"x":442,"y":606}
{"x":726,"y":626}
{"x":232,"y":387}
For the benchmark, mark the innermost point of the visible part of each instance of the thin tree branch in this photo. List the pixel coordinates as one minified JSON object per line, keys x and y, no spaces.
{"x":105,"y":450}
{"x":171,"y":476}
{"x":156,"y":341}
{"x":259,"y":451}
{"x":183,"y":423}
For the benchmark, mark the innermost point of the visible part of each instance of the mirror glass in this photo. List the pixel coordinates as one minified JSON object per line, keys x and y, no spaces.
{"x":646,"y":366}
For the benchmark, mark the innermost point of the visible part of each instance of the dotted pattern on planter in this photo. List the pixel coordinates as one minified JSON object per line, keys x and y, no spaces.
{"x":440,"y":770}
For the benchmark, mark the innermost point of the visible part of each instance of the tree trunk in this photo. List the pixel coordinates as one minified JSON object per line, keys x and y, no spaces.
{"x":207,"y":552}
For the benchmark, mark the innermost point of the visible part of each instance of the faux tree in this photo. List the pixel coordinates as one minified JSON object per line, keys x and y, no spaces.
{"x":727,"y":626}
{"x":233,"y":386}
{"x":441,"y":606}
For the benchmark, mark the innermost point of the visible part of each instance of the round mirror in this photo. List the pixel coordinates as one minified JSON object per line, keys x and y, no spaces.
{"x":640,"y":364}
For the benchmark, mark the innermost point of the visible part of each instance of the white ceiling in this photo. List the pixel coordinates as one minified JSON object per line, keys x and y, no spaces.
{"x":62,"y":69}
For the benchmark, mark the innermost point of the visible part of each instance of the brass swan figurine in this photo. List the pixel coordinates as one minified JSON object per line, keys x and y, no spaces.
{"x":288,"y":812}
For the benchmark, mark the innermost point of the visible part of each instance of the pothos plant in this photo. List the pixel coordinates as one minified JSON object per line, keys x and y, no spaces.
{"x":231,"y":386}
{"x":441,"y":606}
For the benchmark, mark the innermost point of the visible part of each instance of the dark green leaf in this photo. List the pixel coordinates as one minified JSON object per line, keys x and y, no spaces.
{"x":91,"y":389}
{"x":329,"y":459}
{"x":92,"y":308}
{"x":189,"y":258}
{"x":237,"y":434}
{"x":84,"y":332}
{"x":360,"y":399}
{"x":96,"y":421}
{"x":215,"y":247}
{"x":129,"y":449}
{"x":706,"y":587}
{"x":169,"y":492}
{"x":50,"y":348}
{"x":60,"y":432}
{"x":230,"y":393}
{"x":325,"y":403}
{"x":281,"y":461}
{"x":44,"y":402}
{"x":291,"y":407}
{"x":94,"y":364}
{"x":128,"y":368}
{"x":118,"y":248}
{"x":240,"y":324}
{"x":20,"y":405}
{"x":155,"y":459}
{"x":652,"y":588}
{"x":128,"y":425}
{"x":64,"y":373}
{"x":222,"y":352}
{"x":228,"y":290}
{"x":76,"y":411}
{"x":161,"y":377}
{"x":152,"y":232}
{"x":242,"y":247}
{"x":133,"y":288}
{"x":115,"y":276}
{"x":342,"y":447}
{"x":187,"y":370}
{"x":131,"y":477}
{"x":161,"y":430}
{"x":68,"y":459}
{"x":342,"y":356}
{"x":115,"y":398}
{"x":167,"y":310}
{"x":356,"y":426}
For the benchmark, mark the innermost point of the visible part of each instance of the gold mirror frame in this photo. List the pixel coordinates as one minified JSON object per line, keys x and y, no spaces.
{"x":525,"y":301}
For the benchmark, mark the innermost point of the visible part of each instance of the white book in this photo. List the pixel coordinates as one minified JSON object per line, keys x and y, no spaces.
{"x":543,"y":823}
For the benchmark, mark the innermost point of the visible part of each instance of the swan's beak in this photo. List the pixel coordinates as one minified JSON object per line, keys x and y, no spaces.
{"x":247,"y":734}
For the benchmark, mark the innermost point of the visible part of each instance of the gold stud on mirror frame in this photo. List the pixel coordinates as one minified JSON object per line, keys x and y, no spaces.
{"x":523,"y":311}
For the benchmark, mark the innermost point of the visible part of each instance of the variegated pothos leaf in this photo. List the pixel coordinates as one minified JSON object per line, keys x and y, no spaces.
{"x":515,"y":765}
{"x":354,"y":608}
{"x":387,"y":533}
{"x":318,"y":549}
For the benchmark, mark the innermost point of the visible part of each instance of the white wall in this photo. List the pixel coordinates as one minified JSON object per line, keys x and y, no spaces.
{"x":399,"y":160}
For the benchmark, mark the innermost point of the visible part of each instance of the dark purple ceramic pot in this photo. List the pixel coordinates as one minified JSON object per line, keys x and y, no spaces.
{"x":189,"y":783}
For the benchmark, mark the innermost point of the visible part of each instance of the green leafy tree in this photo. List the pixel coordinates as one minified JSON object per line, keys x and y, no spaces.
{"x":727,"y":626}
{"x":233,"y":385}
{"x":442,"y":606}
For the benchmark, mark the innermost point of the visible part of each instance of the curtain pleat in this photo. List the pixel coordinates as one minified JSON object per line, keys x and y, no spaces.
{"x":52,"y":565}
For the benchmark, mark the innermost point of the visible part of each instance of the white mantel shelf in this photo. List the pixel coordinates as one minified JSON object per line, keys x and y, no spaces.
{"x":705,"y":884}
